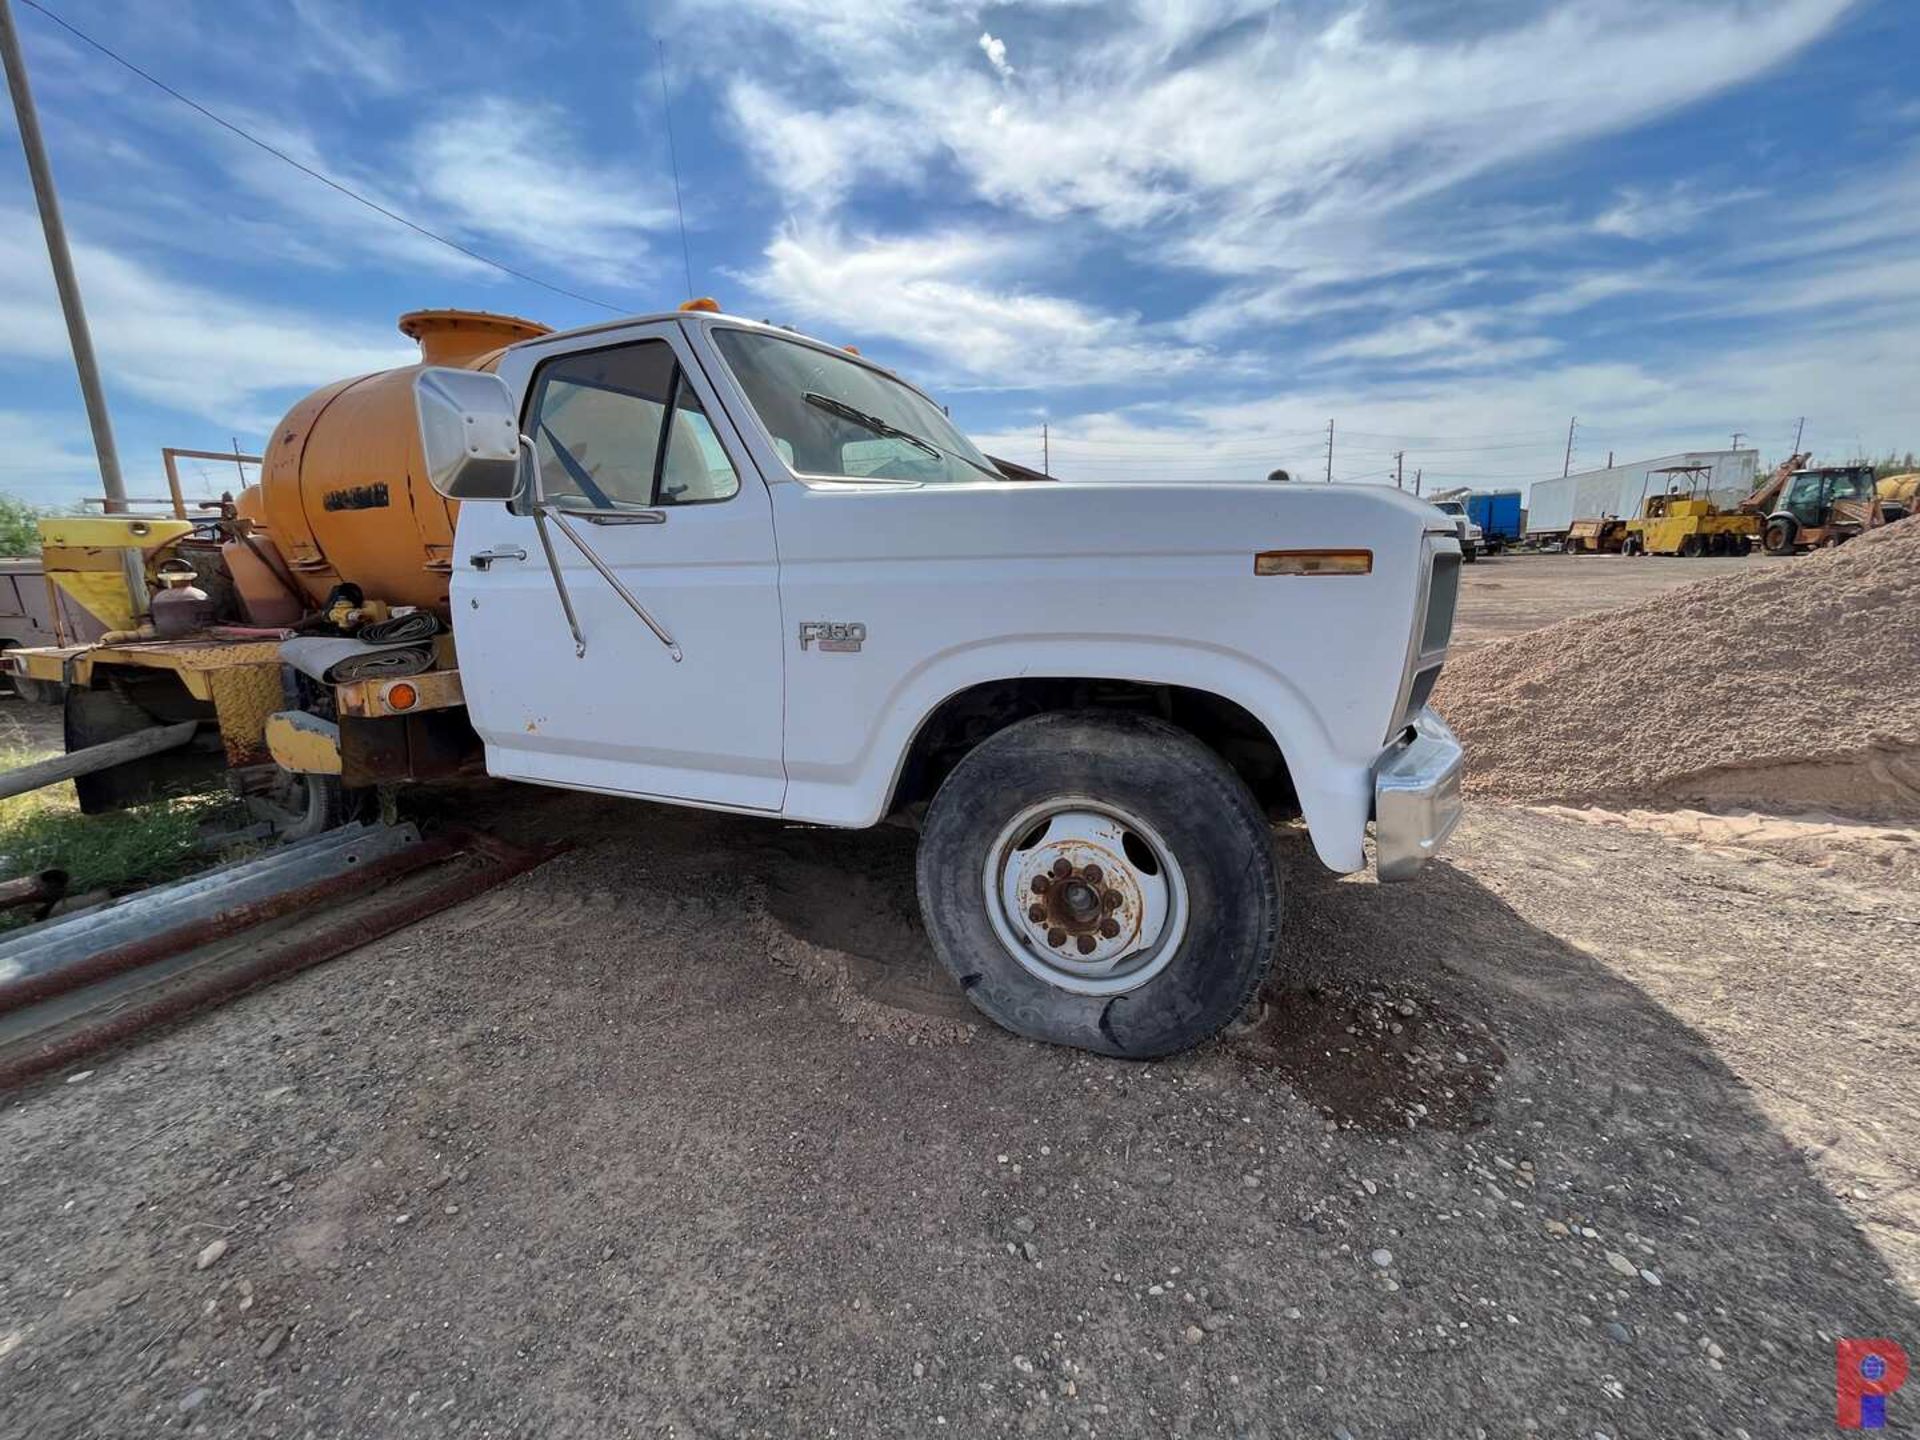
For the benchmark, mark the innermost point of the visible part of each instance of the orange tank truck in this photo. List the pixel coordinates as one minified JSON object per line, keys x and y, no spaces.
{"x":343,"y":493}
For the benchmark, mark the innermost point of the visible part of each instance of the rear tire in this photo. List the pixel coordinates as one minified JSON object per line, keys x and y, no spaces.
{"x":1160,"y":910}
{"x":303,"y":806}
{"x":1781,"y":535}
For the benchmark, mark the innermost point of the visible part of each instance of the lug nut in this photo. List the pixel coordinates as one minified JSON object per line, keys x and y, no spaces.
{"x":1092,"y":875}
{"x":1036,"y":913}
{"x":1086,"y":944}
{"x":1056,"y":936}
{"x":1110,"y":928}
{"x":1062,"y":867}
{"x":1040,"y":883}
{"x":1111,"y":899}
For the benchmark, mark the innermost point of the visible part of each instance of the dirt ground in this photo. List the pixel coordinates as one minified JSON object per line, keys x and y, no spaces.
{"x":1607,"y":1125}
{"x":1511,"y":594}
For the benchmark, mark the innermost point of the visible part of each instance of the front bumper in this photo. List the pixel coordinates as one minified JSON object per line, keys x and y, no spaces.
{"x":1416,"y":796}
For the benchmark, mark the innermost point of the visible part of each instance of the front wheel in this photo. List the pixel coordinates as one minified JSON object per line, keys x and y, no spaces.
{"x":1780,"y":537}
{"x":1100,"y":880}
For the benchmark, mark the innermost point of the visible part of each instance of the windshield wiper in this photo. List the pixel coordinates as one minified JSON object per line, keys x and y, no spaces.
{"x":870,"y":422}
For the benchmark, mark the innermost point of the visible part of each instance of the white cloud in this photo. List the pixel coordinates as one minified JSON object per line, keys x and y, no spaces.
{"x":1637,"y":214}
{"x":996,"y":52}
{"x":334,"y":39}
{"x":814,"y":157}
{"x":1853,"y":382}
{"x":180,"y":345}
{"x":1239,"y":146}
{"x":40,"y":461}
{"x":925,"y":291}
{"x":511,"y":171}
{"x":1445,"y":339}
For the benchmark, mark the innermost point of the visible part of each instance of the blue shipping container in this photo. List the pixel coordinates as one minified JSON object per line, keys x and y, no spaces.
{"x":1497,"y":513}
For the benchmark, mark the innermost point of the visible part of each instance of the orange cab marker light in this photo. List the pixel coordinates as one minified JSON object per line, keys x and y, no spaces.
{"x":1313,"y":562}
{"x":401,"y":696}
{"x":705,"y":304}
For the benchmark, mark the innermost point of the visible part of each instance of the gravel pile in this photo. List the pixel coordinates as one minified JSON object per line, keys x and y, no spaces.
{"x":1795,"y":687}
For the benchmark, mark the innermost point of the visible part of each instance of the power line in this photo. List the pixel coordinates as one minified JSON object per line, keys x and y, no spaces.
{"x":324,"y":179}
{"x":673,"y":157}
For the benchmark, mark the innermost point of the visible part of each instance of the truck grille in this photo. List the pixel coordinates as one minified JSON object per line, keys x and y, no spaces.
{"x":1443,"y":596}
{"x":1436,"y":629}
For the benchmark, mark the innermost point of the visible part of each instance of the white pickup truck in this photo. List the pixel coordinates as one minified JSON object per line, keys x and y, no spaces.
{"x":716,"y":563}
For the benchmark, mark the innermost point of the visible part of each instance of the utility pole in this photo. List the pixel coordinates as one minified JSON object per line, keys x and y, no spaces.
{"x":1046,"y":450}
{"x":78,"y":336}
{"x":1736,"y":438}
{"x":1329,"y":452}
{"x":1566,"y":466}
{"x":1399,"y":469}
{"x":1609,"y":459}
{"x":1799,"y":430}
{"x":1416,"y":480}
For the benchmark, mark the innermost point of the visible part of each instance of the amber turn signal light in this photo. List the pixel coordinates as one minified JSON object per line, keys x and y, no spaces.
{"x":1313,"y":562}
{"x":705,"y":305}
{"x":402,"y":696}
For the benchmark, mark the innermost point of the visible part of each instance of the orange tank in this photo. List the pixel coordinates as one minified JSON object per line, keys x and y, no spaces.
{"x":343,"y":491}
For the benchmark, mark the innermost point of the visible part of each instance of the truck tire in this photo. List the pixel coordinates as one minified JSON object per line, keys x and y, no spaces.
{"x":1781,"y":535}
{"x":1100,"y":880}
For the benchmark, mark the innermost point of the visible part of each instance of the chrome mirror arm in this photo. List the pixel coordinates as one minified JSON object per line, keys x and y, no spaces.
{"x":542,"y":509}
{"x":546,"y":544}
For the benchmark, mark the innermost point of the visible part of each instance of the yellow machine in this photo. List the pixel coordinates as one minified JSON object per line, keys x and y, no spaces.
{"x":1602,"y":536}
{"x":342,"y":531}
{"x":1671,"y":523}
{"x":1902,"y":491}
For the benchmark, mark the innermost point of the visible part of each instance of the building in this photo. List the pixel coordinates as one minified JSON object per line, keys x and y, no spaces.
{"x":1555,"y":504}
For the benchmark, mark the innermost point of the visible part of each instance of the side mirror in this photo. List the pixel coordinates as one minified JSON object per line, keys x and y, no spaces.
{"x":469,"y":432}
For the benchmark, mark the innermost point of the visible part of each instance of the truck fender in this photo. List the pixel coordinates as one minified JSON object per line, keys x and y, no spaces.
{"x":1335,"y":792}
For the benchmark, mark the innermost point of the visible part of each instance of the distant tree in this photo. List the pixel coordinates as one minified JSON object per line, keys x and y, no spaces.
{"x":1895,"y":465}
{"x":19,"y":534}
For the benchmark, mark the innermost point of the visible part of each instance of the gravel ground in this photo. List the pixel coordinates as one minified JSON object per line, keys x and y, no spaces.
{"x":1593,"y":1130}
{"x":1793,"y":685}
{"x":1512,"y":593}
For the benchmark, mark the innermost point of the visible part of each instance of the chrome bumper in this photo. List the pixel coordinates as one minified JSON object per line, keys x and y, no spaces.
{"x":1416,"y":797}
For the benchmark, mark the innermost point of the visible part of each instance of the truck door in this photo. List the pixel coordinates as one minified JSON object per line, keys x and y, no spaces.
{"x":650,"y":475}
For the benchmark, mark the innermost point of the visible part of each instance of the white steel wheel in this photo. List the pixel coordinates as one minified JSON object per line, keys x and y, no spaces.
{"x":1102,"y":880}
{"x":1085,"y":896}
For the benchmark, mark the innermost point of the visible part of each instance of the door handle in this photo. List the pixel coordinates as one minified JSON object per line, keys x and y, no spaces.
{"x":616,"y":517}
{"x":482,"y":559}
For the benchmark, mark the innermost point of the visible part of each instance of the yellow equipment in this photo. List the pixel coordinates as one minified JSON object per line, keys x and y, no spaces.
{"x":342,"y":530}
{"x":1691,"y":524}
{"x":1602,"y":536}
{"x":86,"y":556}
{"x":1901,"y":490}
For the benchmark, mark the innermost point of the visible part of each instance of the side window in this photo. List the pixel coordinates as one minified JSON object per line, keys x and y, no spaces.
{"x":620,"y":428}
{"x":1805,"y":493}
{"x":694,"y":468}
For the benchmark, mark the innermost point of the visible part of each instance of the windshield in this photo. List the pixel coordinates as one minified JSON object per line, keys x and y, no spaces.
{"x":830,"y":416}
{"x":1852,"y":484}
{"x":1450,"y":507}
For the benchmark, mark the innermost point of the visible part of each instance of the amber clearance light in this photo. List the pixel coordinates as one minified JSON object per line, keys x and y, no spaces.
{"x":1313,"y":562}
{"x":402,"y":696}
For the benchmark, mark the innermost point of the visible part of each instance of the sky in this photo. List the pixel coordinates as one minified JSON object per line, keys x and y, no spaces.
{"x":1182,"y":236}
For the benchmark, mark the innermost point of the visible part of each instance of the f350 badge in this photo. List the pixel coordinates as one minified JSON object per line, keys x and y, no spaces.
{"x":836,"y":636}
